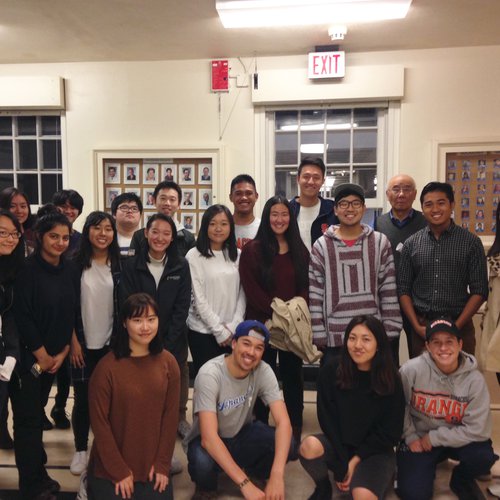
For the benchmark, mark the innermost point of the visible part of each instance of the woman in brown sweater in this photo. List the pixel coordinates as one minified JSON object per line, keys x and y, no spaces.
{"x":134,"y":403}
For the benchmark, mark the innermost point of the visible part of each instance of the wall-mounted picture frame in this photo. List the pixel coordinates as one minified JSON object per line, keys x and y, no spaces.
{"x":168,"y":172}
{"x":186,"y":174}
{"x":150,"y":173}
{"x":112,"y":173}
{"x":146,"y":215}
{"x":204,"y":173}
{"x":148,"y":200}
{"x":188,"y":199}
{"x":475,"y":162}
{"x":189,"y":222}
{"x":111,"y":194}
{"x":136,"y":191}
{"x":205,"y":198}
{"x":131,"y":173}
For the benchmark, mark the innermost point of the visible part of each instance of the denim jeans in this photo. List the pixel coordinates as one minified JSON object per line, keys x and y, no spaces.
{"x":252,"y":449}
{"x":416,"y":471}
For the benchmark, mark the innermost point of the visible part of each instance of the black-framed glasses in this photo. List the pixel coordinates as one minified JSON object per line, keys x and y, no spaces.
{"x":128,"y":208}
{"x":15,"y":235}
{"x":343,"y":204}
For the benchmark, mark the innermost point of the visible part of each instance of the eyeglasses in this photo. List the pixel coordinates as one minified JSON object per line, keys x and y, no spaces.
{"x":343,"y":204}
{"x":126,"y":208}
{"x":405,"y":189}
{"x":5,"y":234}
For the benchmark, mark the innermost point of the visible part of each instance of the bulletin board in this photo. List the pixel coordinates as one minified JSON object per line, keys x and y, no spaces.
{"x":474,"y":172}
{"x":139,"y":174}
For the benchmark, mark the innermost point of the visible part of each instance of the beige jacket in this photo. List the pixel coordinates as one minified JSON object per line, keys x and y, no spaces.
{"x":290,"y":328}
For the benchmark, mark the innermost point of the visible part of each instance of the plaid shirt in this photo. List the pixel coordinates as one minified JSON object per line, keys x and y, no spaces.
{"x":441,"y":274}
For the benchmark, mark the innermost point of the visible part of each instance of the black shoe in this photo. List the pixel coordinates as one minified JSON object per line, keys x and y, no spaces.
{"x":323,"y":491}
{"x":6,"y":442}
{"x":51,"y":485}
{"x":45,"y":495}
{"x":60,"y":419}
{"x":465,"y":489}
{"x":46,"y":423}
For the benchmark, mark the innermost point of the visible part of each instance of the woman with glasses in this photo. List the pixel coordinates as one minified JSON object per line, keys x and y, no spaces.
{"x":98,"y":260}
{"x":17,"y":203}
{"x":275,"y":264}
{"x":46,"y":294}
{"x":11,"y":260}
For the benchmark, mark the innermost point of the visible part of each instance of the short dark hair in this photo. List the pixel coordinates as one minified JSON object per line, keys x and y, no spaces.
{"x":74,"y":198}
{"x":242,"y":178}
{"x":203,"y":242}
{"x":168,"y":185}
{"x":442,"y":187}
{"x":124,"y":197}
{"x":135,"y":306}
{"x":315,"y":162}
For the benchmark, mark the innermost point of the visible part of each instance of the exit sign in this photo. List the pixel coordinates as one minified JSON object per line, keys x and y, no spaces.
{"x":326,"y":65}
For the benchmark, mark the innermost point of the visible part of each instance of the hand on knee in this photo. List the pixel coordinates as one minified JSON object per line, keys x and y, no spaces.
{"x":311,"y":448}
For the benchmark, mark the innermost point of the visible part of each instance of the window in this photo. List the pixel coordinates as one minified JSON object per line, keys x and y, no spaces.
{"x":346,"y":139}
{"x":30,"y":155}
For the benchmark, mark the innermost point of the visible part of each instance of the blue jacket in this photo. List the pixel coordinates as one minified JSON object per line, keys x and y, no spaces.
{"x":323,"y":221}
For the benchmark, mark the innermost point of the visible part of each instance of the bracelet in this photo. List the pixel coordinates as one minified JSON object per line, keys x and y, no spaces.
{"x":243,"y":483}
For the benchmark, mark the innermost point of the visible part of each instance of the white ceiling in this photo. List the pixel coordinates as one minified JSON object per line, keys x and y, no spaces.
{"x":130,"y":30}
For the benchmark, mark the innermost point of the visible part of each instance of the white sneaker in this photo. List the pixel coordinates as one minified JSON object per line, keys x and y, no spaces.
{"x":79,"y":463}
{"x":184,"y":428}
{"x":176,"y":466}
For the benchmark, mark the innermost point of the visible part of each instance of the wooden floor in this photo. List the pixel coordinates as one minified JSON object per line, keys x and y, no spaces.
{"x":59,"y":446}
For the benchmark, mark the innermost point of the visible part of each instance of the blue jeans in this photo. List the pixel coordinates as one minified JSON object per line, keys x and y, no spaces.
{"x":252,"y":449}
{"x":416,"y":471}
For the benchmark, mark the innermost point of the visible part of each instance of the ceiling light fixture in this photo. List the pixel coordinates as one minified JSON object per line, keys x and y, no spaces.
{"x":266,"y":13}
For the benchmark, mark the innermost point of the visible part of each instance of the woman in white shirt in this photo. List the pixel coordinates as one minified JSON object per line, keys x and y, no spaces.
{"x":218,"y":302}
{"x":98,"y":259}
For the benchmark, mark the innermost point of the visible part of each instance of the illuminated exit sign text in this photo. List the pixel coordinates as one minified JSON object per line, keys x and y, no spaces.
{"x":326,"y":65}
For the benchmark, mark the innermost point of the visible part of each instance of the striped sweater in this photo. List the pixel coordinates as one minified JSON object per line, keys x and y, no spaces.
{"x":347,"y":281}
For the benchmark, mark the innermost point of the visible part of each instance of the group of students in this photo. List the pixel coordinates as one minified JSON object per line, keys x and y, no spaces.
{"x":126,"y":325}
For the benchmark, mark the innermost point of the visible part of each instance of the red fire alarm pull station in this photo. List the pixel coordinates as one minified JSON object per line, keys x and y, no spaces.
{"x":220,"y":75}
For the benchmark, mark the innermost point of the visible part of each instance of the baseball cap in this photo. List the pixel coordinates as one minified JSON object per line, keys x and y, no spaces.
{"x":343,"y":190}
{"x":252,"y":328}
{"x":442,"y":325}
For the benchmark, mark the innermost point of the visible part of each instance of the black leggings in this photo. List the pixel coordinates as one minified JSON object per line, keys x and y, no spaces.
{"x":203,"y":348}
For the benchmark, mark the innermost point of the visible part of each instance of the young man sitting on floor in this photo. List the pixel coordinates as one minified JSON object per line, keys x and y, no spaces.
{"x":447,"y":416}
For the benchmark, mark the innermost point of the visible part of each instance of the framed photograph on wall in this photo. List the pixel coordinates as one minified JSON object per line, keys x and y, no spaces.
{"x":188,"y":199}
{"x":188,"y":221}
{"x":112,"y":173}
{"x":168,"y":172}
{"x":111,"y":194}
{"x":186,"y":173}
{"x":204,"y":173}
{"x":147,"y":199}
{"x":146,"y":215}
{"x":136,"y":191}
{"x":150,"y":173}
{"x":131,"y":175}
{"x":205,"y":198}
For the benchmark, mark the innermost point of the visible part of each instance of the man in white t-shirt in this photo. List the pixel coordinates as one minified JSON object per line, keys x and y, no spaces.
{"x":314,"y":213}
{"x":224,"y":435}
{"x":126,"y":210}
{"x":244,"y":195}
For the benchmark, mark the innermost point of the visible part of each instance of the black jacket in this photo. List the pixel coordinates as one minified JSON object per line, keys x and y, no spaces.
{"x":173,"y":296}
{"x":185,"y":241}
{"x":9,"y":339}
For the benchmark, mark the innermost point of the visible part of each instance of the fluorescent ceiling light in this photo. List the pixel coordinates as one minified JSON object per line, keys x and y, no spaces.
{"x":312,"y":149}
{"x":265,"y":13}
{"x":318,"y":127}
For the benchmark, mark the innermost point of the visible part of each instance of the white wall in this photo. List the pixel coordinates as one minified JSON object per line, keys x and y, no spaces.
{"x":449,"y":94}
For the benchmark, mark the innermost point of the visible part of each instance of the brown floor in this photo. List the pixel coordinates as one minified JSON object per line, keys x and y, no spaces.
{"x":59,"y":446}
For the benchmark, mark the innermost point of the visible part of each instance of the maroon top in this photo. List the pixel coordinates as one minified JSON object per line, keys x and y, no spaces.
{"x":259,"y":298}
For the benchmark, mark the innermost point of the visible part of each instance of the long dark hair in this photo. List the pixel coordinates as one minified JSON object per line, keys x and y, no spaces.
{"x":172,"y":248}
{"x":48,"y":218}
{"x":495,"y":248}
{"x":6,"y":196}
{"x":10,"y":264}
{"x":135,"y":306}
{"x":384,"y":374}
{"x":270,"y":247}
{"x":203,"y":243}
{"x":83,"y":256}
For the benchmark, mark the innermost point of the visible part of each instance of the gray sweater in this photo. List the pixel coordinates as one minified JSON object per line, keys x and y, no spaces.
{"x":453,"y":409}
